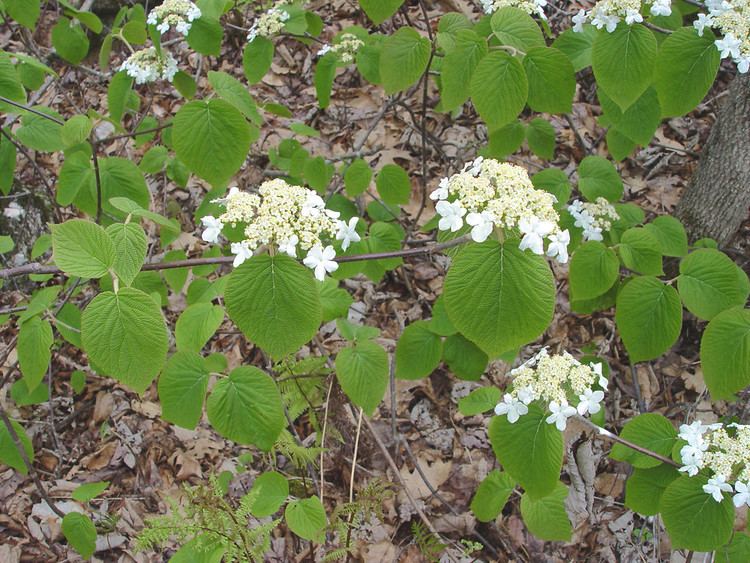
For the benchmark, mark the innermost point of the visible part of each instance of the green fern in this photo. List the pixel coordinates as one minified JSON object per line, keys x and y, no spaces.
{"x":429,"y":545}
{"x":209,"y":521}
{"x":300,"y":456}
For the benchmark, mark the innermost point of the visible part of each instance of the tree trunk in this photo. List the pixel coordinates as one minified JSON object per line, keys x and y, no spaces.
{"x":717,"y":198}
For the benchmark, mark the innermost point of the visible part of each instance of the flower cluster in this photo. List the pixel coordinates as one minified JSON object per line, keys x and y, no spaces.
{"x":147,"y":66}
{"x":268,"y":24}
{"x":552,"y":380}
{"x":732,"y":19}
{"x":722,"y":450}
{"x":497,"y":194}
{"x":529,"y":6}
{"x":177,"y":13}
{"x":608,"y":13}
{"x":289,"y":217}
{"x":346,"y":49}
{"x":593,"y":217}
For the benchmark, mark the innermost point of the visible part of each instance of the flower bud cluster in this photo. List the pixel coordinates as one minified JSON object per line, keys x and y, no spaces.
{"x":732,"y":19}
{"x":268,"y":24}
{"x":177,"y":13}
{"x":497,"y":194}
{"x":147,"y":66}
{"x":553,"y":381}
{"x":346,"y":49}
{"x":531,"y":7}
{"x":607,"y":14}
{"x":288,"y":217}
{"x":724,"y":451}
{"x":593,"y":217}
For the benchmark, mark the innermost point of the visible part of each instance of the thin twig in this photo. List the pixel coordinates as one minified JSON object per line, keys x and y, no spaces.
{"x":31,"y":110}
{"x":37,"y":268}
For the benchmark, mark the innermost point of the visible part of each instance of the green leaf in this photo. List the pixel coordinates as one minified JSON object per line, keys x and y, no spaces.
{"x":269,"y":492}
{"x":362,"y":372}
{"x":506,"y":140}
{"x":530,"y":450}
{"x":637,"y":123}
{"x":257,"y":58}
{"x":737,"y":551}
{"x":40,"y":133}
{"x":88,"y":491}
{"x":246,"y":408}
{"x":82,"y":248}
{"x":306,"y":518}
{"x":418,"y":351}
{"x":651,"y":431}
{"x":120,"y":177}
{"x":404,"y":59}
{"x":380,"y":10}
{"x":196,"y":325}
{"x":201,"y":549}
{"x":10,"y":86}
{"x":25,"y":12}
{"x":205,"y":36}
{"x":212,"y":138}
{"x":693,"y":518}
{"x":354,"y":332}
{"x":80,"y":532}
{"x":577,"y":45}
{"x":623,"y":62}
{"x":440,"y":324}
{"x":516,"y":28}
{"x":182,"y":388}
{"x":709,"y":283}
{"x":597,"y":177}
{"x":70,"y":327}
{"x":499,"y":88}
{"x":492,"y":495}
{"x":22,"y":396}
{"x":725,"y":353}
{"x":76,"y":130}
{"x":458,"y":68}
{"x":498,"y":296}
{"x":685,"y":70}
{"x":274,"y":301}
{"x":552,"y":81}
{"x":34,"y":342}
{"x":175,"y":277}
{"x":649,"y":317}
{"x":318,"y":173}
{"x":117,"y":94}
{"x":78,"y":381}
{"x":357,"y":177}
{"x":546,"y":517}
{"x":335,"y":301}
{"x":9,"y":454}
{"x":645,"y":488}
{"x":325,"y":74}
{"x":594,"y":269}
{"x":541,"y":138}
{"x":130,"y":246}
{"x":69,"y":40}
{"x":393,"y":184}
{"x":479,"y":401}
{"x":640,"y":252}
{"x":125,"y":336}
{"x":670,"y":234}
{"x":554,"y":181}
{"x":464,"y":358}
{"x":7,"y":165}
{"x":234,"y":92}
{"x":185,"y":84}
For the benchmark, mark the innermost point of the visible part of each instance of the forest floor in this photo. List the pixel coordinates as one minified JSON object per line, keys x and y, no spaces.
{"x":107,"y":433}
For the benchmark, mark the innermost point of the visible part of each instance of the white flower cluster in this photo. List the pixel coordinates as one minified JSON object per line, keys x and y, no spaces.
{"x":608,"y":13}
{"x":497,"y":194}
{"x":286,"y":216}
{"x":723,"y":450}
{"x":268,"y":24}
{"x":177,"y":13}
{"x":552,"y":380}
{"x":346,"y":49}
{"x":146,"y":66}
{"x":593,"y":217}
{"x":529,"y":6}
{"x":732,"y":19}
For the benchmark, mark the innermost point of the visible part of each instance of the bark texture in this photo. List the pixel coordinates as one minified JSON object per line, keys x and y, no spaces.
{"x":717,"y":198}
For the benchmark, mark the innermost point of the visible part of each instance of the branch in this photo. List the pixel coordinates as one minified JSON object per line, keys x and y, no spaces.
{"x":607,"y":435}
{"x":37,"y":268}
{"x":31,"y":110}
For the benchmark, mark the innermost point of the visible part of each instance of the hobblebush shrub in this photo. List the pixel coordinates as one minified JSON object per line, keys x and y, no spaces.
{"x":288,"y":242}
